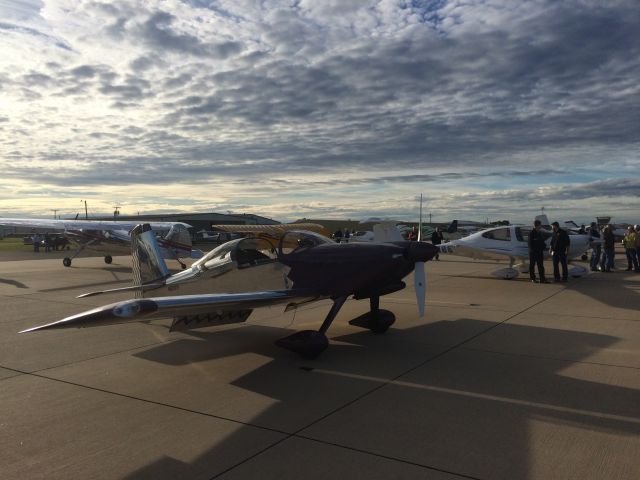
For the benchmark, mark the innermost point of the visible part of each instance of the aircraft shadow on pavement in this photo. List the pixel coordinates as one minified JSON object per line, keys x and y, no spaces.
{"x":465,"y":411}
{"x":15,"y":283}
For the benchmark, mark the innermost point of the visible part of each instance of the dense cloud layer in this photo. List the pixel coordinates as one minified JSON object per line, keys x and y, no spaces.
{"x":511,"y":105}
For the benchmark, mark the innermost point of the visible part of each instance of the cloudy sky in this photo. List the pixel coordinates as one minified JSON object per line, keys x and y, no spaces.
{"x":321,"y":108}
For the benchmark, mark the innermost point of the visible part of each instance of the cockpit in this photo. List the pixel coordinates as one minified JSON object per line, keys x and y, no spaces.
{"x":296,"y":241}
{"x":249,"y":263}
{"x":253,"y":251}
{"x":503,"y":234}
{"x":245,"y":252}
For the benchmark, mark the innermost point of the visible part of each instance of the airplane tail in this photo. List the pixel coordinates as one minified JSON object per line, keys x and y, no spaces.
{"x":387,"y":232}
{"x":544,"y":220}
{"x":453,"y":227}
{"x":178,"y":237}
{"x":148,"y":264}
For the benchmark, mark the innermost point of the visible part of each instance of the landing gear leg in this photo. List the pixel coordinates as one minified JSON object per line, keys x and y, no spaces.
{"x":66,"y":261}
{"x":376,"y":320}
{"x":310,"y":343}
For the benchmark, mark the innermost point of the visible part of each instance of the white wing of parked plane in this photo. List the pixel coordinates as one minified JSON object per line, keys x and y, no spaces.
{"x":52,"y":224}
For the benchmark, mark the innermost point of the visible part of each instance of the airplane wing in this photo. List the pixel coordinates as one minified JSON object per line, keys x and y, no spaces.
{"x":189,"y":311}
{"x":81,"y":224}
{"x":276,"y":230}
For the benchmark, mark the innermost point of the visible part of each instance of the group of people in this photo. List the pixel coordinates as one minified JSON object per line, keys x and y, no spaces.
{"x":340,"y":236}
{"x":602,"y":256}
{"x":50,"y":243}
{"x":602,"y":253}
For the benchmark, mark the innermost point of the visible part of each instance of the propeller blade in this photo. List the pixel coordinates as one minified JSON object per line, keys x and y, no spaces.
{"x":420,"y":286}
{"x":420,"y":223}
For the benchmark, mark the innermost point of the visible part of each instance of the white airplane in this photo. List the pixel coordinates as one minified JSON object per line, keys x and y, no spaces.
{"x":510,"y":242}
{"x":386,"y":230}
{"x":112,"y":237}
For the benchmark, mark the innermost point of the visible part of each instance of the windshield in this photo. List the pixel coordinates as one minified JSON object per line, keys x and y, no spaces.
{"x":298,"y":240}
{"x":254,"y":251}
{"x":221,"y":254}
{"x":498,"y":234}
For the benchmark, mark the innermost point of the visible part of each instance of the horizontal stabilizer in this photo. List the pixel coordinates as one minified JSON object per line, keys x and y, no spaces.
{"x":151,"y":286}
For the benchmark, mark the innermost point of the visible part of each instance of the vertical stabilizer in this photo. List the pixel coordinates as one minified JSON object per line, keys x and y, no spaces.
{"x":179,"y":235}
{"x":387,"y":232}
{"x":544,"y":220}
{"x":148,"y":264}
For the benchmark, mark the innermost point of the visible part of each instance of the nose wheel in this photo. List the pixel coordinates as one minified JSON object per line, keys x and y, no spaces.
{"x":376,"y":320}
{"x":108,"y":259}
{"x":66,"y":261}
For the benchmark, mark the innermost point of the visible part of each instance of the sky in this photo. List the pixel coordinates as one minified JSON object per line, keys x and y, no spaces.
{"x":321,"y":109}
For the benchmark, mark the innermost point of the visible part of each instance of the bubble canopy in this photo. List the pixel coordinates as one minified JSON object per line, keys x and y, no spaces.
{"x":296,"y":241}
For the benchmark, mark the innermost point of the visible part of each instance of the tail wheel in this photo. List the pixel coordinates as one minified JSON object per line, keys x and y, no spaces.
{"x":66,"y":261}
{"x":108,"y":259}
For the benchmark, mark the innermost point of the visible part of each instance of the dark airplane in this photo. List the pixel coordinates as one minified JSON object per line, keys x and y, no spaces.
{"x":254,"y":272}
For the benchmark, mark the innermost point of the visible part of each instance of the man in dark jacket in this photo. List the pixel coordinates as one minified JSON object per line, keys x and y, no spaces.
{"x":559,"y":250}
{"x":608,"y":249}
{"x":436,"y":239}
{"x":596,"y":250}
{"x":536,"y":252}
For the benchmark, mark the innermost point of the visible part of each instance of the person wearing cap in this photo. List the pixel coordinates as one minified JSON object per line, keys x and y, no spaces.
{"x":559,"y":250}
{"x":596,"y":249}
{"x":629,"y":242}
{"x":537,"y":246}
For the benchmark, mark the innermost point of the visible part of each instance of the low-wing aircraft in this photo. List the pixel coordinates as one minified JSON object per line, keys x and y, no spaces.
{"x":231,"y":280}
{"x":112,"y":237}
{"x":510,"y":242}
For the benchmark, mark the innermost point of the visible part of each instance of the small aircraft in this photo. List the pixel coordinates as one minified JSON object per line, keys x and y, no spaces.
{"x":510,"y":242}
{"x":230,"y":281}
{"x":112,"y":237}
{"x":385,"y":230}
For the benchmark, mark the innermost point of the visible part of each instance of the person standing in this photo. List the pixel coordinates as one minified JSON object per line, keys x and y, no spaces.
{"x":35,"y":239}
{"x":537,"y":246}
{"x":637,"y":229}
{"x":596,"y":249}
{"x":436,"y":239}
{"x":629,"y":242}
{"x":559,"y":250}
{"x":609,"y":243}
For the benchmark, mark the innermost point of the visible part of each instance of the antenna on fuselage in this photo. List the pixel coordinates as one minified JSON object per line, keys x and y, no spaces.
{"x":420,"y":221}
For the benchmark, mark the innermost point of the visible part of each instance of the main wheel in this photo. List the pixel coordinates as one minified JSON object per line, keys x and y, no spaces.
{"x":108,"y":259}
{"x":66,"y":261}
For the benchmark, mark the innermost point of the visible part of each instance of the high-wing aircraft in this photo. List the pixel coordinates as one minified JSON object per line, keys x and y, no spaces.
{"x":112,"y":237}
{"x":230,"y":281}
{"x":510,"y":242}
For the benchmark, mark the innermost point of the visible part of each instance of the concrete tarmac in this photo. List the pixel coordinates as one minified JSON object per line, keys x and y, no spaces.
{"x":500,"y":380}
